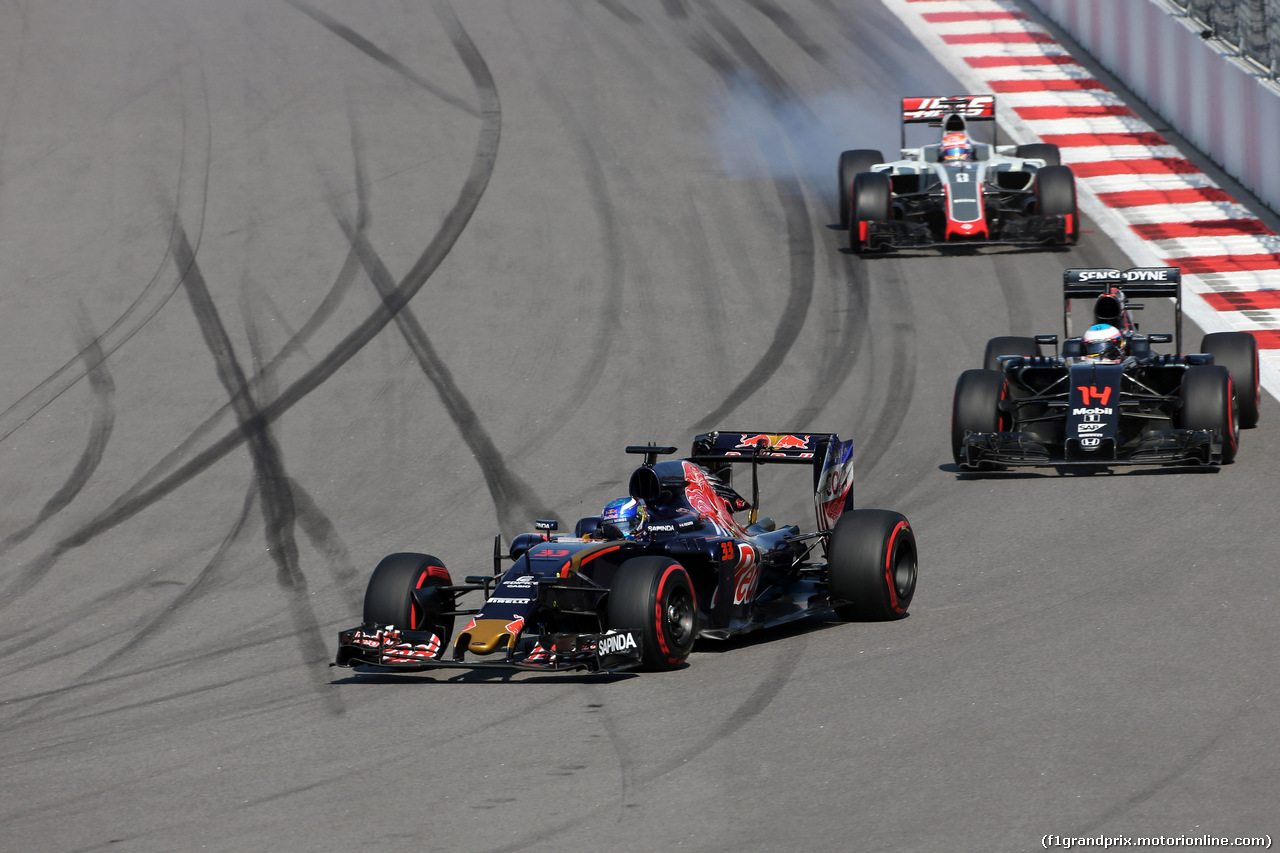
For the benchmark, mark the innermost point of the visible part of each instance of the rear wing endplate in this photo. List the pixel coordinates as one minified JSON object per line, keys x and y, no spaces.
{"x":1137,"y":282}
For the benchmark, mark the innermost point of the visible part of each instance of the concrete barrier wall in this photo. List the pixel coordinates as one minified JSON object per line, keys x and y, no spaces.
{"x":1227,"y":113}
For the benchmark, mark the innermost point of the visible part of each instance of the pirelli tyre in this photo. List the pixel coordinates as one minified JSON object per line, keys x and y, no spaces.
{"x":1209,"y":402}
{"x":976,"y":406}
{"x":1238,"y":352}
{"x":1046,"y":151}
{"x":654,"y":597}
{"x":851,"y":163}
{"x":1007,"y":345}
{"x":1056,"y":196}
{"x":871,"y":565}
{"x":404,"y":591}
{"x":872,"y":202}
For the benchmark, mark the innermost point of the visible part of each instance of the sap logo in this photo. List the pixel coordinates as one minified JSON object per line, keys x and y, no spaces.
{"x":1083,"y":429}
{"x":1091,"y":442}
{"x":503,"y":600}
{"x":1156,"y":274}
{"x":1092,"y":411}
{"x":615,"y":644}
{"x":1099,"y":275}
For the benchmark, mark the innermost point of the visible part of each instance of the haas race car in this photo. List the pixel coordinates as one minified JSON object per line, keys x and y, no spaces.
{"x":957,"y":190}
{"x":611,"y":597}
{"x":1107,"y":398}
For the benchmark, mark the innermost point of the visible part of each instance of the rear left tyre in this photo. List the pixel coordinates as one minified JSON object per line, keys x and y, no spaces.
{"x":1046,"y":151}
{"x":1238,"y":352}
{"x":1209,"y":403}
{"x":871,"y":565}
{"x":654,"y":597}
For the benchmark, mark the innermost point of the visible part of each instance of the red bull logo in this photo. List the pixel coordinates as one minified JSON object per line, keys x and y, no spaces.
{"x":774,"y":442}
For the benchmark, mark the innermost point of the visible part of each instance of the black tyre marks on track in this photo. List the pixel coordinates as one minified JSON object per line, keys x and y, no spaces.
{"x":103,"y":388}
{"x":378,"y":54}
{"x":154,"y":296}
{"x":790,"y":194}
{"x":138,"y":499}
{"x":514,"y":500}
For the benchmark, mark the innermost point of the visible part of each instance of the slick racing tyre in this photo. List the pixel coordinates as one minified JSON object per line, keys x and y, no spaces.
{"x":871,"y":565}
{"x":1238,"y":352}
{"x":1046,"y":151}
{"x":1209,"y":402}
{"x":1056,"y":196}
{"x":390,"y":600}
{"x":1007,"y":345}
{"x":851,"y":163}
{"x":654,"y":597}
{"x":976,"y":406}
{"x":872,"y":202}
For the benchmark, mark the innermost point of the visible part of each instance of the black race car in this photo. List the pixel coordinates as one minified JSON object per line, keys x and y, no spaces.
{"x":998,"y":194}
{"x":603,"y":601}
{"x":1132,"y":406}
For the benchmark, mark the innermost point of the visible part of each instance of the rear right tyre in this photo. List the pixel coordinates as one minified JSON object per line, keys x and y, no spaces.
{"x":1007,"y":345}
{"x":871,"y":565}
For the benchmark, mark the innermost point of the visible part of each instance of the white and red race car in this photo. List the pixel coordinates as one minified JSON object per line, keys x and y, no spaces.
{"x":957,"y":190}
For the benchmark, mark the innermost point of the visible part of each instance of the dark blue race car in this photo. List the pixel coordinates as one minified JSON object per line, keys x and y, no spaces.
{"x":605,"y":599}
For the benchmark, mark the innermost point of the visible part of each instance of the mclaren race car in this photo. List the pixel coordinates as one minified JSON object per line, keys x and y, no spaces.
{"x":1107,"y":398}
{"x":607,"y":599}
{"x":956,"y":190}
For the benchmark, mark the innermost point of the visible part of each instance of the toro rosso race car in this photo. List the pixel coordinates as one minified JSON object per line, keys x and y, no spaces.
{"x":607,"y":599}
{"x":1107,"y":398}
{"x":956,"y":190}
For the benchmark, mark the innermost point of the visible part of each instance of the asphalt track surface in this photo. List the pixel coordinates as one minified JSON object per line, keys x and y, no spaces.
{"x":288,"y":286}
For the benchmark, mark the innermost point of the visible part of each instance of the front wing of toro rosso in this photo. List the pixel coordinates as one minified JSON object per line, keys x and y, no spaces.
{"x":992,"y":199}
{"x":550,"y":610}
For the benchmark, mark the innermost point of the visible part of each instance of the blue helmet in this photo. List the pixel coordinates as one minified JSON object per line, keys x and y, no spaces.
{"x":1103,"y":341}
{"x":626,"y":514}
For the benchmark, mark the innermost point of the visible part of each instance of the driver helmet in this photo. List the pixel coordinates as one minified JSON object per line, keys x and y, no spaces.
{"x":626,"y":514}
{"x":955,"y":146}
{"x":1103,"y":341}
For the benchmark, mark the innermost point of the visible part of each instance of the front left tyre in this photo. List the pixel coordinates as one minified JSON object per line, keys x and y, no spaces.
{"x":871,"y":565}
{"x":654,"y":597}
{"x":1209,"y":403}
{"x":1056,"y":196}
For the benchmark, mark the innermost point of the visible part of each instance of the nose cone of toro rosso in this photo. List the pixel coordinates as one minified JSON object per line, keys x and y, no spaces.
{"x":486,"y":636}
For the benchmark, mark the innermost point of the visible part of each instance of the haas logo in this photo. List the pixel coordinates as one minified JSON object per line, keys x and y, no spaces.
{"x":614,"y":644}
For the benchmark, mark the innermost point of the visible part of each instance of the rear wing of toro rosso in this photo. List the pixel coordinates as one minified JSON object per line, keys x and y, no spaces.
{"x":934,"y":111}
{"x":830,"y":458}
{"x":1135,"y":283}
